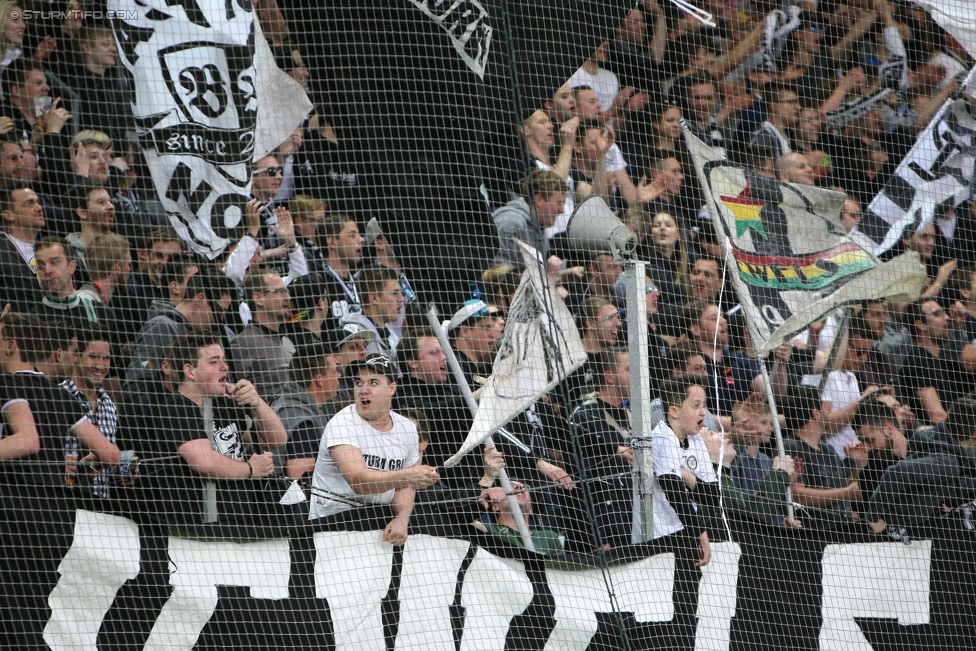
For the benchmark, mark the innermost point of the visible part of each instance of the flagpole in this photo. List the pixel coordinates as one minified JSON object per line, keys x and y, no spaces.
{"x":452,"y":362}
{"x":835,"y":345}
{"x":777,"y":431}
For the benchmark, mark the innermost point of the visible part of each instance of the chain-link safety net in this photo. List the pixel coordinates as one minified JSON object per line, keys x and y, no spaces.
{"x":487,"y":324}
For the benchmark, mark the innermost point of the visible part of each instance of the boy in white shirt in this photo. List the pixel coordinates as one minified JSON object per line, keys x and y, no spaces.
{"x":369,"y":456}
{"x":677,"y":447}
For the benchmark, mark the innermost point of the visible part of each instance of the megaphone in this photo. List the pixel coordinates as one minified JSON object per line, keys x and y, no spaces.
{"x":594,"y":227}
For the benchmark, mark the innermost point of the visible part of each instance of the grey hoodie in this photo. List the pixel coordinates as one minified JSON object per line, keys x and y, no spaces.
{"x":165,"y":324}
{"x":78,"y":249}
{"x":515,"y":220}
{"x":294,"y":407}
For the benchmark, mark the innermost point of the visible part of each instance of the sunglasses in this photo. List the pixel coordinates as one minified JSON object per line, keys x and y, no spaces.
{"x":619,"y":314}
{"x":270,"y":171}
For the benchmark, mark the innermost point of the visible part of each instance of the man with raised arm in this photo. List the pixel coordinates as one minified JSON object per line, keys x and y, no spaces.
{"x":369,"y":462}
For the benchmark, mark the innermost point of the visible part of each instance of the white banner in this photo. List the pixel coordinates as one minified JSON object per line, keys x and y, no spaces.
{"x":540,"y":348}
{"x":209,"y":100}
{"x":352,"y":573}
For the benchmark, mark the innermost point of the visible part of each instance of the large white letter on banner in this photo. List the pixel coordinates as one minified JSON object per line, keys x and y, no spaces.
{"x":631,"y":585}
{"x":716,"y":597}
{"x":427,"y":585}
{"x":887,"y":580}
{"x":104,"y":554}
{"x":198,"y":566}
{"x":352,"y":572}
{"x":495,"y":590}
{"x":578,"y":596}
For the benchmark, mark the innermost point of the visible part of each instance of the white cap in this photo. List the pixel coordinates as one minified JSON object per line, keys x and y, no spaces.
{"x":350,"y":331}
{"x":470,"y":309}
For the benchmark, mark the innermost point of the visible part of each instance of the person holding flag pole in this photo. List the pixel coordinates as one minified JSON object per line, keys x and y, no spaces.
{"x":539,"y":349}
{"x":452,"y":362}
{"x":789,"y":257}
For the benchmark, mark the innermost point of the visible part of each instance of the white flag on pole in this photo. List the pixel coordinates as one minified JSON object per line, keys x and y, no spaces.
{"x":790,"y":260}
{"x":540,"y":348}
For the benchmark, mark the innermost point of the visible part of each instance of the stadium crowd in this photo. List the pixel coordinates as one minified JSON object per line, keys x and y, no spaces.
{"x":306,"y":340}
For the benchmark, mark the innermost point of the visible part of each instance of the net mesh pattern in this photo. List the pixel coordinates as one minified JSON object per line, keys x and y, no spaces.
{"x":483,"y":324}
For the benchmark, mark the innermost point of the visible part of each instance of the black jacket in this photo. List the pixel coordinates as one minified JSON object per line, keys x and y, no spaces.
{"x":937,"y":441}
{"x":18,"y":282}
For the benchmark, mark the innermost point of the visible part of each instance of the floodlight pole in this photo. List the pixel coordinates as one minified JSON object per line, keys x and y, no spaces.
{"x":452,"y":362}
{"x":640,"y":391}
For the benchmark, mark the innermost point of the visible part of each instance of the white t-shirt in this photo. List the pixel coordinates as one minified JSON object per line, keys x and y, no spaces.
{"x":827,"y":333}
{"x":696,"y":460}
{"x":668,"y":460}
{"x":604,"y":83}
{"x":841,"y":390}
{"x":384,"y":451}
{"x":615,"y":159}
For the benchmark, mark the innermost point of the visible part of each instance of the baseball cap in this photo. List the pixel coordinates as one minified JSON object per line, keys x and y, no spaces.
{"x":343,"y":335}
{"x":471,"y":311}
{"x":375,"y":363}
{"x":305,"y":292}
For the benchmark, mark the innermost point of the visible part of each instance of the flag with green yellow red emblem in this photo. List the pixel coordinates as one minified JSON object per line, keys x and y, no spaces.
{"x":789,"y":257}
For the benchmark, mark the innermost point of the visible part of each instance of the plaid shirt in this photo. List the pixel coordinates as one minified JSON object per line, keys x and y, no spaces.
{"x":106,"y":419}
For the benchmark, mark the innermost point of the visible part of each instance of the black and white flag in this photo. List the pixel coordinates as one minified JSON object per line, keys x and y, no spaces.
{"x":935,"y":176}
{"x":209,"y":101}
